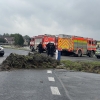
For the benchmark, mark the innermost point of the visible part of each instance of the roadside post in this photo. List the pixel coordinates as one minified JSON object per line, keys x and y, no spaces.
{"x":58,"y":55}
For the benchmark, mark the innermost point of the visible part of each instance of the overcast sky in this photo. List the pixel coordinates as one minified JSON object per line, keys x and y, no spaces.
{"x":36,"y":17}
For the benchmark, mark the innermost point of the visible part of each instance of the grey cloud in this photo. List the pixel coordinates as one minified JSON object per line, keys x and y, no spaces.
{"x":76,"y":17}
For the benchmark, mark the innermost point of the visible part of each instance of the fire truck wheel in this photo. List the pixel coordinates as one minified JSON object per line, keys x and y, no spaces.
{"x":32,"y":49}
{"x":79,"y":53}
{"x":37,"y":50}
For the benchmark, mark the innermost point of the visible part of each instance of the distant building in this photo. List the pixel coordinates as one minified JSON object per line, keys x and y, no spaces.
{"x":9,"y":40}
{"x":26,"y":41}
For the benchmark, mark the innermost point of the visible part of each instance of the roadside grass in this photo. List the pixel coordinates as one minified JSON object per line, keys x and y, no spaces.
{"x":93,"y":67}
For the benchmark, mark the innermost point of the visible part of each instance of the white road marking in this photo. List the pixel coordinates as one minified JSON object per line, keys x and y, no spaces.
{"x":51,"y":79}
{"x":55,"y":90}
{"x":49,"y":71}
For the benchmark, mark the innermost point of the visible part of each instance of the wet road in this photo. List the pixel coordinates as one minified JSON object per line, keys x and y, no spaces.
{"x":8,"y":51}
{"x":30,"y":85}
{"x":48,"y":84}
{"x":83,"y":58}
{"x":80,"y":85}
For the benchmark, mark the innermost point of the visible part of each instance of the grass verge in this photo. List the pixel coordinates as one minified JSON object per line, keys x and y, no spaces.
{"x":93,"y":67}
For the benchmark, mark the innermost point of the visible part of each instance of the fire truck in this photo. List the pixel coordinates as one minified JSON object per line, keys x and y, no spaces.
{"x":76,"y":45}
{"x":44,"y":39}
{"x":67,"y":44}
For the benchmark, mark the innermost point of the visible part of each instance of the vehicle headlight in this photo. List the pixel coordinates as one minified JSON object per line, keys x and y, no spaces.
{"x":1,"y":48}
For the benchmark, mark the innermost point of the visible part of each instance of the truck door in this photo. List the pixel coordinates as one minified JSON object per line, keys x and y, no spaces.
{"x":89,"y":44}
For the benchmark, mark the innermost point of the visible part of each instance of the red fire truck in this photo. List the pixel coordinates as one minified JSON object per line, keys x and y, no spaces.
{"x":67,"y":44}
{"x":45,"y":39}
{"x":77,"y":45}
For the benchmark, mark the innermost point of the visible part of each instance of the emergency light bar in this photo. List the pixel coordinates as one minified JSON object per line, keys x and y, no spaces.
{"x":64,"y":36}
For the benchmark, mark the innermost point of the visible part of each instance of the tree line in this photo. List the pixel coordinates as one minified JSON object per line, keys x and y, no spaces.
{"x":18,"y":38}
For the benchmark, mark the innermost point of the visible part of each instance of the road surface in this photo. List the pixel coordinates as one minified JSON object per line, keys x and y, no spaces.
{"x":48,"y":84}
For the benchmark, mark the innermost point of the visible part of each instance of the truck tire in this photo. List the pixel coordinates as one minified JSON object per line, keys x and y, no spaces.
{"x":37,"y":50}
{"x":32,"y":49}
{"x":2,"y":55}
{"x":79,"y":53}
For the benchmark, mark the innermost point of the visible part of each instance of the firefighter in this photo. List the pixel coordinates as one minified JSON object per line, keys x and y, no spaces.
{"x":40,"y":49}
{"x":52,"y":49}
{"x":48,"y":48}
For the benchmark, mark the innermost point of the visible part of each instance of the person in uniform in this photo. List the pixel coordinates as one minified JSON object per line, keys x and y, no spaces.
{"x":52,"y":49}
{"x":48,"y":48}
{"x":40,"y":49}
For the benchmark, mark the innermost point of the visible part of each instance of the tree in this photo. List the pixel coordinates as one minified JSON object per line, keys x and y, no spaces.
{"x":26,"y":37}
{"x":18,"y":38}
{"x":6,"y":34}
{"x":2,"y":40}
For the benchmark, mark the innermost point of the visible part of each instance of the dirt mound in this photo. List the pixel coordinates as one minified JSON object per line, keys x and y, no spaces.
{"x":15,"y":61}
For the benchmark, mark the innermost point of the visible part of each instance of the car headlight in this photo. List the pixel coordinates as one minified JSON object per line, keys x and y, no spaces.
{"x":1,"y":48}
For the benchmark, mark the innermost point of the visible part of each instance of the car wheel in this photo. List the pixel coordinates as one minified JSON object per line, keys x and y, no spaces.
{"x":98,"y":57}
{"x":1,"y":54}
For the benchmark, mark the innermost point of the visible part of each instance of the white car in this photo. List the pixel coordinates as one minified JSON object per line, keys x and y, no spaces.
{"x":97,"y":53}
{"x":1,"y":51}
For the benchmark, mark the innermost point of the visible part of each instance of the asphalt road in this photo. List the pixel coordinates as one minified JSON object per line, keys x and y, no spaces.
{"x":80,"y":85}
{"x":83,"y":58}
{"x":48,"y":84}
{"x":30,"y":85}
{"x":43,"y":85}
{"x":8,"y":51}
